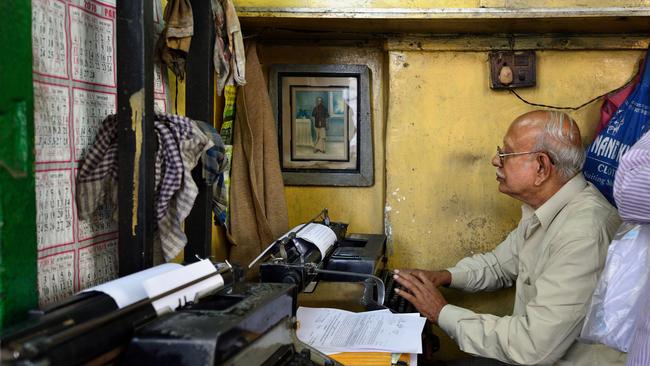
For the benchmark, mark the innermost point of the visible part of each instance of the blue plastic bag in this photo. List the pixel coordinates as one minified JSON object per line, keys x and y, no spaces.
{"x":628,"y":124}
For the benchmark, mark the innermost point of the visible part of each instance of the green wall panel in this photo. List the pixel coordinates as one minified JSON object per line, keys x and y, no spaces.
{"x":18,"y":289}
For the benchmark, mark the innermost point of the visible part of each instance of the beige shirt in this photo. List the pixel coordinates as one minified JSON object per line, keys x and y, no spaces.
{"x":554,"y":258}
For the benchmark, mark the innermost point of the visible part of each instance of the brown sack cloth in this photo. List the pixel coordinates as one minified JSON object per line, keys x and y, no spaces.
{"x":258,"y":207}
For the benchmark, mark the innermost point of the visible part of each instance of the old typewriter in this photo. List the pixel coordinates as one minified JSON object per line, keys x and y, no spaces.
{"x":247,"y":324}
{"x":321,"y":250}
{"x":197,"y":314}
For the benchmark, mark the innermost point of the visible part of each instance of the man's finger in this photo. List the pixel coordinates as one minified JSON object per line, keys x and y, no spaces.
{"x":411,"y":298}
{"x":414,"y":283}
{"x":406,"y":285}
{"x":424,"y":278}
{"x":417,"y":302}
{"x":400,"y":271}
{"x":406,"y":280}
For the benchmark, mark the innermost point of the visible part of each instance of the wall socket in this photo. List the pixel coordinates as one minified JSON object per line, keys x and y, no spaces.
{"x":512,"y":69}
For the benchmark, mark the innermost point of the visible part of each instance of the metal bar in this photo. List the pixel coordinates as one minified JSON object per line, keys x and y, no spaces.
{"x":199,"y":105}
{"x":136,"y":138}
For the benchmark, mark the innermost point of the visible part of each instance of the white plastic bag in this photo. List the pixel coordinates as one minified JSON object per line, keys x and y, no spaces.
{"x":615,"y":304}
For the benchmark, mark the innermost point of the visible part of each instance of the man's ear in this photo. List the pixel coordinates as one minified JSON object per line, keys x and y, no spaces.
{"x":544,"y":169}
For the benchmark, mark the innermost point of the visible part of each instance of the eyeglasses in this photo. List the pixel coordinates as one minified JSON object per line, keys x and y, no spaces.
{"x":503,"y":155}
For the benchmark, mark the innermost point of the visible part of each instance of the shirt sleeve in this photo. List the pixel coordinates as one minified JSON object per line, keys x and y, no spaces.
{"x":488,"y":271}
{"x":631,"y":190}
{"x":551,"y":320}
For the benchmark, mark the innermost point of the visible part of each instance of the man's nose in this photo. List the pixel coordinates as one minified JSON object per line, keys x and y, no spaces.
{"x":496,"y":161}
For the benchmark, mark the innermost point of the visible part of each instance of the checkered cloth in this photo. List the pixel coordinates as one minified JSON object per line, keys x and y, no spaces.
{"x":170,"y":235}
{"x":98,"y":172}
{"x":100,"y":165}
{"x":215,"y":162}
{"x":179,"y":147}
{"x":214,"y":159}
{"x":171,"y":130}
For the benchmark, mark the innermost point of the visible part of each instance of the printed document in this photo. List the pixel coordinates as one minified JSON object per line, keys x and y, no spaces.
{"x":333,"y":331}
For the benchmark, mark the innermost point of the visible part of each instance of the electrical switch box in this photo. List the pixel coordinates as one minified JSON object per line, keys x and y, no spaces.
{"x":512,"y":69}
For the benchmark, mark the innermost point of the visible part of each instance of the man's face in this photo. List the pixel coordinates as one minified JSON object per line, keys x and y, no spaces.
{"x":319,"y":101}
{"x":516,"y":176}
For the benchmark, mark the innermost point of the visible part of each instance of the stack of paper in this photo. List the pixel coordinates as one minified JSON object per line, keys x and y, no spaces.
{"x":332,"y":331}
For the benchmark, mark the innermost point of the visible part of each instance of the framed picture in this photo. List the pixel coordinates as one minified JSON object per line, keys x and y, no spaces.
{"x":323,"y":117}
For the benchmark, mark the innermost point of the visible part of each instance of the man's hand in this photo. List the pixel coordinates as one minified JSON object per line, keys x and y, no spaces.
{"x":420,"y":291}
{"x":437,"y":278}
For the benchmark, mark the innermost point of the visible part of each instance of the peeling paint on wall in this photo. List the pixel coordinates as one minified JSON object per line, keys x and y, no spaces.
{"x":388,"y":230}
{"x":137,"y":110}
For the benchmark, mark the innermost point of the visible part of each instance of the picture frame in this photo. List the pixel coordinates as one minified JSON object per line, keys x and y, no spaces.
{"x":324,"y":124}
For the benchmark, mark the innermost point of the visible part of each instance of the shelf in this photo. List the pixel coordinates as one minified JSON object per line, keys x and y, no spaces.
{"x":383,"y":22}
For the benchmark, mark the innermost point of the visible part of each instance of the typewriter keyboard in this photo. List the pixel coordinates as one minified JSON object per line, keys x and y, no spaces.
{"x":392,"y":300}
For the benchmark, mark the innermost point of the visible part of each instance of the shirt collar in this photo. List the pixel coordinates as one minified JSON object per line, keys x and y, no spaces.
{"x":547,"y":212}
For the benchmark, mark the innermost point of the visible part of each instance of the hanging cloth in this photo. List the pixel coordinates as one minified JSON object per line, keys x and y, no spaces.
{"x":174,"y":43}
{"x":215,"y":166}
{"x":221,"y":190}
{"x":180,"y":145}
{"x":229,"y":53}
{"x":236,"y":44}
{"x":170,"y":237}
{"x":221,"y":56}
{"x":258,"y":210}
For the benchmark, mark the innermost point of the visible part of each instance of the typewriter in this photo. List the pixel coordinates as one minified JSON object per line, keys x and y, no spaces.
{"x":247,"y":324}
{"x":197,"y":314}
{"x":322,"y":250}
{"x":392,"y":300}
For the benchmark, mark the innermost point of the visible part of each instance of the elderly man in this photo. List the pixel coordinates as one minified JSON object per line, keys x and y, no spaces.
{"x":553,"y":257}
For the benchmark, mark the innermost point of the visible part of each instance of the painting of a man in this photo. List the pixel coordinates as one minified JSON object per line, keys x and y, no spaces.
{"x":320,"y":115}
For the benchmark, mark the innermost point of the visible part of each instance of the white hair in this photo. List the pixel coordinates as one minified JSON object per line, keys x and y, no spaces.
{"x":560,"y":139}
